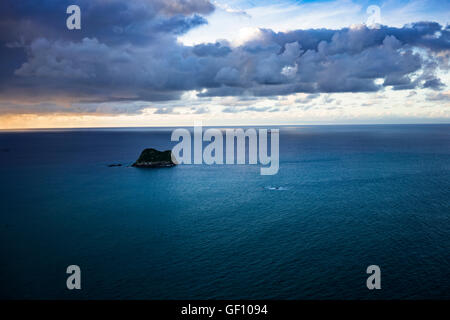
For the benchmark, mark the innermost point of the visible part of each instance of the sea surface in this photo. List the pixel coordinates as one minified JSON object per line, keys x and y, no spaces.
{"x":345,"y":197}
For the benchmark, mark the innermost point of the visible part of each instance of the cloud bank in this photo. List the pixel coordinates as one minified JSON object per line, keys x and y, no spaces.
{"x":128,"y":51}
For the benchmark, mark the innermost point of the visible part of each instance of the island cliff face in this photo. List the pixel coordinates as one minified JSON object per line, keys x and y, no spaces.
{"x":152,"y":158}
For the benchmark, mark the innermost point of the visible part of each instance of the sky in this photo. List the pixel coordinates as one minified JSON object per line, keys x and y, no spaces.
{"x":236,"y":62}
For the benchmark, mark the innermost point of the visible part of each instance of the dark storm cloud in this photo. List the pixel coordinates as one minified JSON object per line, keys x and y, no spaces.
{"x":308,"y":98}
{"x":127,"y":51}
{"x":433,"y":84}
{"x":112,"y":21}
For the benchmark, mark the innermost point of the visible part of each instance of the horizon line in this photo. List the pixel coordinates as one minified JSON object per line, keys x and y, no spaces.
{"x":225,"y":126}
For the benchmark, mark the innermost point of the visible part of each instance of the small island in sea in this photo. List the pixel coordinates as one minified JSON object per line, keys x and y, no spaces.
{"x":152,"y":158}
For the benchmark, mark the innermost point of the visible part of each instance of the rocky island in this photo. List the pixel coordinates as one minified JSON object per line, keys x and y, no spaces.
{"x":152,"y":158}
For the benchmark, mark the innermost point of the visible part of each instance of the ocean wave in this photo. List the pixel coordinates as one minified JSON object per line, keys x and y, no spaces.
{"x":276,"y":188}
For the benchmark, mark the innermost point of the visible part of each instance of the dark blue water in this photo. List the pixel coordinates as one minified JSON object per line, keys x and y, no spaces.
{"x":348,"y":197}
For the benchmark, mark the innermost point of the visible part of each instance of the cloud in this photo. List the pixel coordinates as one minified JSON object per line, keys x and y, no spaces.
{"x":435,"y":84}
{"x":165,"y":111}
{"x":200,"y":110}
{"x":227,"y":8}
{"x":211,"y":49}
{"x":442,"y":96}
{"x":128,"y":51}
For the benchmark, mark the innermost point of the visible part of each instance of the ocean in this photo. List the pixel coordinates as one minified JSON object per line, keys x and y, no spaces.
{"x":344,"y":198}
